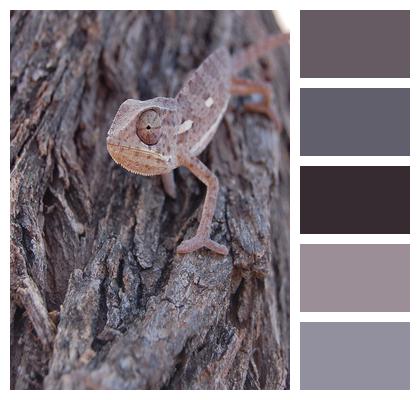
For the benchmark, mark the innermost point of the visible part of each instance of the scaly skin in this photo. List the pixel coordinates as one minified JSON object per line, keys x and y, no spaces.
{"x":156,"y":136}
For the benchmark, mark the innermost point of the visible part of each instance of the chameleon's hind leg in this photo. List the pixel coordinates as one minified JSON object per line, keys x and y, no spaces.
{"x":168,"y":182}
{"x":246,"y":87}
{"x":202,"y":237}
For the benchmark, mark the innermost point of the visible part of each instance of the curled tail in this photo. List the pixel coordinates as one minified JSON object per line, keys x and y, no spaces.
{"x":252,"y":53}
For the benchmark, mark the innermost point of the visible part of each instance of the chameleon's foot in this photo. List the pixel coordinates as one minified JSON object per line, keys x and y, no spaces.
{"x":197,"y":242}
{"x":245,"y":87}
{"x":266,"y":110}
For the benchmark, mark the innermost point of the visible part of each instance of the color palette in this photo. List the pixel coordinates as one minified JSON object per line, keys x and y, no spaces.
{"x":352,"y":355}
{"x":355,"y":122}
{"x":355,"y":44}
{"x":355,"y":200}
{"x":363,"y":265}
{"x":355,"y":277}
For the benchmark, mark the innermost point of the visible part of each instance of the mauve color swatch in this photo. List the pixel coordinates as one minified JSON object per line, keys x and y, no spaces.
{"x":355,"y":355}
{"x":355,"y":277}
{"x":359,"y":200}
{"x":355,"y":122}
{"x":355,"y":44}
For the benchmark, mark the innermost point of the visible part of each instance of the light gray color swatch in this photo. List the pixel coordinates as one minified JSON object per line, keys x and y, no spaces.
{"x":355,"y":122}
{"x":355,"y":355}
{"x":355,"y":277}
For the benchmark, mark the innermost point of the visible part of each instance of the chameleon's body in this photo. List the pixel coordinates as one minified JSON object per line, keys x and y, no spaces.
{"x":156,"y":136}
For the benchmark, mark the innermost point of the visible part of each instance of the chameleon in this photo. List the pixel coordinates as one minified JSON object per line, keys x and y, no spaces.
{"x":156,"y":136}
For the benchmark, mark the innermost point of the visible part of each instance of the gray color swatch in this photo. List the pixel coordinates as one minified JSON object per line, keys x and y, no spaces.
{"x":355,"y":122}
{"x":355,"y":277}
{"x":355,"y":355}
{"x":355,"y":44}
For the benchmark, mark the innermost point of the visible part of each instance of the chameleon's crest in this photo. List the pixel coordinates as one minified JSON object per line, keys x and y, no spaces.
{"x":141,"y":136}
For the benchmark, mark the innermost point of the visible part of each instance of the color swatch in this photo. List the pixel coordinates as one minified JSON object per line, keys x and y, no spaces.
{"x":355,"y":200}
{"x":354,"y":122}
{"x":355,"y":355}
{"x":355,"y":277}
{"x":355,"y":44}
{"x":353,"y":119}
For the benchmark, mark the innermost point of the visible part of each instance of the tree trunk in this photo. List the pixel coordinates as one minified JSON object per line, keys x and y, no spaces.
{"x":99,"y":298}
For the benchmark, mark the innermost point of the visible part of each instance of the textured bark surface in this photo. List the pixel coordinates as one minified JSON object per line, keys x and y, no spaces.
{"x":99,"y":299}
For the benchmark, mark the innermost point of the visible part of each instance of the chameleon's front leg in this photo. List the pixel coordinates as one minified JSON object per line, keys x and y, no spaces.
{"x":168,"y":182}
{"x":202,"y":237}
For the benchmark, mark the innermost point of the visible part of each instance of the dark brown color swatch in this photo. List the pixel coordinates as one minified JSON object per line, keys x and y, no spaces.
{"x":355,"y":44}
{"x":355,"y":200}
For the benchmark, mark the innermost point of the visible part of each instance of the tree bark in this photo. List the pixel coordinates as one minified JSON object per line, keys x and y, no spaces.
{"x":99,"y":298}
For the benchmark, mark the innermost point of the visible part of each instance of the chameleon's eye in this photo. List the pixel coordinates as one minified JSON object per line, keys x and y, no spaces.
{"x":148,"y":127}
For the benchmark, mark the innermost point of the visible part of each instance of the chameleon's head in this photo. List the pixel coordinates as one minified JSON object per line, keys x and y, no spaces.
{"x":142,"y":137}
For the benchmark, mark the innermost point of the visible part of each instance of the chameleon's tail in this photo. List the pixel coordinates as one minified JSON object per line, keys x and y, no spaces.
{"x":252,"y":53}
